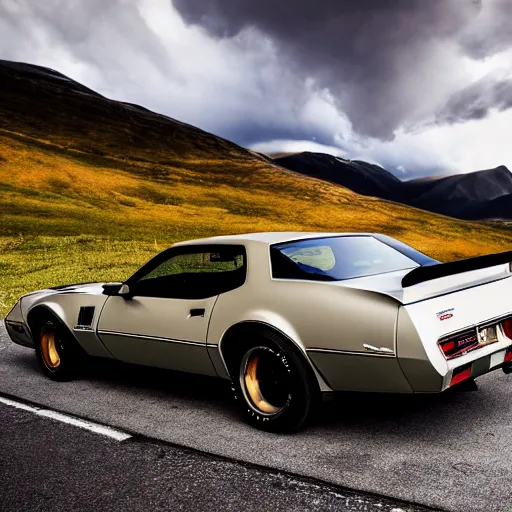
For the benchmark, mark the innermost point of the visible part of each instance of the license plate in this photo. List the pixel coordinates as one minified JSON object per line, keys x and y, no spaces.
{"x":487,"y":335}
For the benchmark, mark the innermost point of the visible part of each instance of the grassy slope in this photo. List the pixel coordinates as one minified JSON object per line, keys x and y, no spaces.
{"x":90,"y":189}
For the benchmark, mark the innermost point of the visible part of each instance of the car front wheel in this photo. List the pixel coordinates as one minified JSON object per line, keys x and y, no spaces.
{"x":56,"y":352}
{"x":274,"y":386}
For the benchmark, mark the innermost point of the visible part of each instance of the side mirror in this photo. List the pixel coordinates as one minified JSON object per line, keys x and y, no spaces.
{"x":125,"y":292}
{"x":117,"y":289}
{"x":111,"y":288}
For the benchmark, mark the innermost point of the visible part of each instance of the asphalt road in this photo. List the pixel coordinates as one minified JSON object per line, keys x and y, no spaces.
{"x":450,"y":451}
{"x":51,"y":466}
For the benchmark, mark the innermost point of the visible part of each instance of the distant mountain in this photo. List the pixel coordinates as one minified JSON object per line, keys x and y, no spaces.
{"x":361,"y":177}
{"x":464,"y":195}
{"x":479,"y":195}
{"x":499,"y":208}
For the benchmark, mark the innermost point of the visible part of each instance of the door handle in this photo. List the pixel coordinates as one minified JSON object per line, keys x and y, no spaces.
{"x":196,"y":312}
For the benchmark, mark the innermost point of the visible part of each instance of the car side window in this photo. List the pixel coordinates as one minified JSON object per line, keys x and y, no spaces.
{"x":194,"y":275}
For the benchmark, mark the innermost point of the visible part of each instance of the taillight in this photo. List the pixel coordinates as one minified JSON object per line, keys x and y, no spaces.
{"x":507,"y":327}
{"x":448,"y":347}
{"x":456,"y":346}
{"x":508,"y":356}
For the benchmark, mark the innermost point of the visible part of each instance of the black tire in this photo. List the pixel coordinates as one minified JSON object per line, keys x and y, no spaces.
{"x":273,"y":385}
{"x":61,"y":362}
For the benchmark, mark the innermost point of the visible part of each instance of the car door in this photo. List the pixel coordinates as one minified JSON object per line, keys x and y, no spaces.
{"x":163,"y":322}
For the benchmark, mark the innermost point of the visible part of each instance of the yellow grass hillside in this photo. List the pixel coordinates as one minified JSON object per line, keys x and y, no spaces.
{"x":74,"y":210}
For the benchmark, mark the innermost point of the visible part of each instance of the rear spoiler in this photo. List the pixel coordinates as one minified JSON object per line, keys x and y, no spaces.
{"x":422,"y":274}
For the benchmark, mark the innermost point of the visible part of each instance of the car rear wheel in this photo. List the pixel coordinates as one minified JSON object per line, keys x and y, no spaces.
{"x":56,"y":352}
{"x":274,"y":386}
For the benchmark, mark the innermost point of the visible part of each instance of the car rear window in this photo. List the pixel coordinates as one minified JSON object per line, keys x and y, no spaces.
{"x":336,"y":258}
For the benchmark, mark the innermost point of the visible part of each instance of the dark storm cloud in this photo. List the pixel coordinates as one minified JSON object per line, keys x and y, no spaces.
{"x":381,"y":60}
{"x":476,"y":100}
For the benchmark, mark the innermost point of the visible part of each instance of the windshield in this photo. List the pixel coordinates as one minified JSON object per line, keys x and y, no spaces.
{"x":336,"y":258}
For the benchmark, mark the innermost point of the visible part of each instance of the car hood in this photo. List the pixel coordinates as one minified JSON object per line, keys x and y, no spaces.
{"x":80,"y":288}
{"x":89,"y":288}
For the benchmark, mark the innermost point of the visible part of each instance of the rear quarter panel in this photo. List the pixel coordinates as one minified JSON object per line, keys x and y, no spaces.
{"x":314,"y":315}
{"x":328,"y":322}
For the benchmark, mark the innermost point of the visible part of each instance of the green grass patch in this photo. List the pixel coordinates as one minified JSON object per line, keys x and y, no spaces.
{"x":33,"y":263}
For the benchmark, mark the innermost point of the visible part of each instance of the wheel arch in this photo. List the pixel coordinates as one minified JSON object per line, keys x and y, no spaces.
{"x":230,"y":350}
{"x":39,"y":311}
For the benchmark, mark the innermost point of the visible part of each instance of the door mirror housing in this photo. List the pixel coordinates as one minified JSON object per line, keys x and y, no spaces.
{"x":117,"y":289}
{"x":125,"y":291}
{"x":111,"y":288}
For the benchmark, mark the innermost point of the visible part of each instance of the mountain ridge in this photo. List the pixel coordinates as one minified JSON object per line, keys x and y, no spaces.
{"x":478,"y":195}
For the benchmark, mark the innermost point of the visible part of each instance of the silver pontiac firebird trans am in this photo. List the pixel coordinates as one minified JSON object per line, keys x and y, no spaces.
{"x":287,"y":318}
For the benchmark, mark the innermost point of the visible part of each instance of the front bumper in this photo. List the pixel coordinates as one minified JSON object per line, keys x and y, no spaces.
{"x":17,"y":328}
{"x":19,"y":333}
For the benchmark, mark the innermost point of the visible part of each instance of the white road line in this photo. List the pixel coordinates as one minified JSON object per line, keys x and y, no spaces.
{"x":70,"y":420}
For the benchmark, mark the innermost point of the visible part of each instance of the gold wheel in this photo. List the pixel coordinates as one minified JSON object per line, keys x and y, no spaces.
{"x":264,"y":381}
{"x":49,"y":351}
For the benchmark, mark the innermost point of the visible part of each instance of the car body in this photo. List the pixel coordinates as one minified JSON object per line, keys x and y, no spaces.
{"x":355,"y":311}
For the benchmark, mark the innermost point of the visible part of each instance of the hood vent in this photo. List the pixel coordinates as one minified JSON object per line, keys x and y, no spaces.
{"x":85,"y":317}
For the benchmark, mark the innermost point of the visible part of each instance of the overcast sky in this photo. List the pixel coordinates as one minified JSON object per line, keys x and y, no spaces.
{"x":418,"y":86}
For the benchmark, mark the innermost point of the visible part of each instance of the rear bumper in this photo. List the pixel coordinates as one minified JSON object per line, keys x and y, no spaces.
{"x":492,"y":360}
